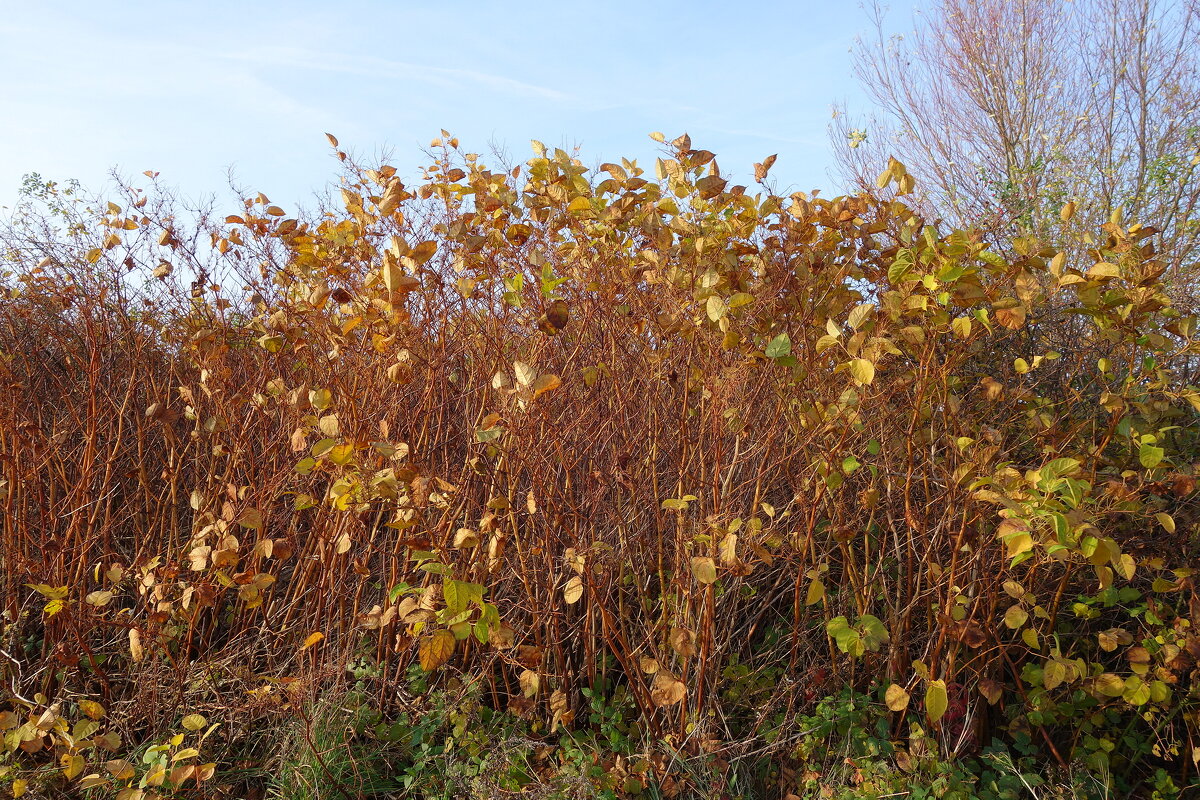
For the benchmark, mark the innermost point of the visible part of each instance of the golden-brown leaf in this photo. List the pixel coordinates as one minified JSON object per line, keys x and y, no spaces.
{"x":435,"y":649}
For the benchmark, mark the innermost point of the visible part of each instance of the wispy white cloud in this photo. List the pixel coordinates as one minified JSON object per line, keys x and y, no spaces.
{"x":369,"y":66}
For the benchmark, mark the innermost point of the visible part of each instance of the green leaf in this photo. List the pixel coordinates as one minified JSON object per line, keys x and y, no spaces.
{"x":454,"y":595}
{"x":848,"y":639}
{"x":780,"y":346}
{"x":898,"y":271}
{"x":1137,"y":692}
{"x":874,"y":632}
{"x":1150,"y":456}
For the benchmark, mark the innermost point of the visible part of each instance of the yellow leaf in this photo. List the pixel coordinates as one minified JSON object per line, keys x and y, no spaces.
{"x":312,"y":639}
{"x":862,"y":371}
{"x":545,"y":383}
{"x":92,"y":781}
{"x":1125,"y":566}
{"x":194,"y":722}
{"x":1015,"y":617}
{"x":530,"y":682}
{"x":251,"y":518}
{"x":342,"y":454}
{"x":72,"y":766}
{"x":704,"y":569}
{"x":435,"y":650}
{"x":465,"y":537}
{"x":1166,"y":520}
{"x":896,"y":697}
{"x":99,"y":598}
{"x":1015,"y":535}
{"x":156,"y":775}
{"x":573,"y":590}
{"x":716,"y":308}
{"x":91,"y":708}
{"x":816,"y":592}
{"x":859,"y":314}
{"x":728,"y":550}
{"x":524,"y":373}
{"x":936,"y":700}
{"x":19,"y":787}
{"x":1110,"y":685}
{"x":1104,"y":269}
{"x":1053,"y":674}
{"x":393,"y":276}
{"x":391,"y":196}
{"x":328,"y":425}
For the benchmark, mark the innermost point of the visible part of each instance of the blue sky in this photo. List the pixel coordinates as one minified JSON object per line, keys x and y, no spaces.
{"x":195,"y":89}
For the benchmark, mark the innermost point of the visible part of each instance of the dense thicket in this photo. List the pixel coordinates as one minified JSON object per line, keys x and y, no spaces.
{"x":550,"y":434}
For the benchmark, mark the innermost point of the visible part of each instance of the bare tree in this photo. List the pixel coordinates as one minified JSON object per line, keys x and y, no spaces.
{"x":1006,"y":110}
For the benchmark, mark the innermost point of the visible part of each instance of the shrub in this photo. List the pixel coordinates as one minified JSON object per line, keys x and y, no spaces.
{"x":716,"y":452}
